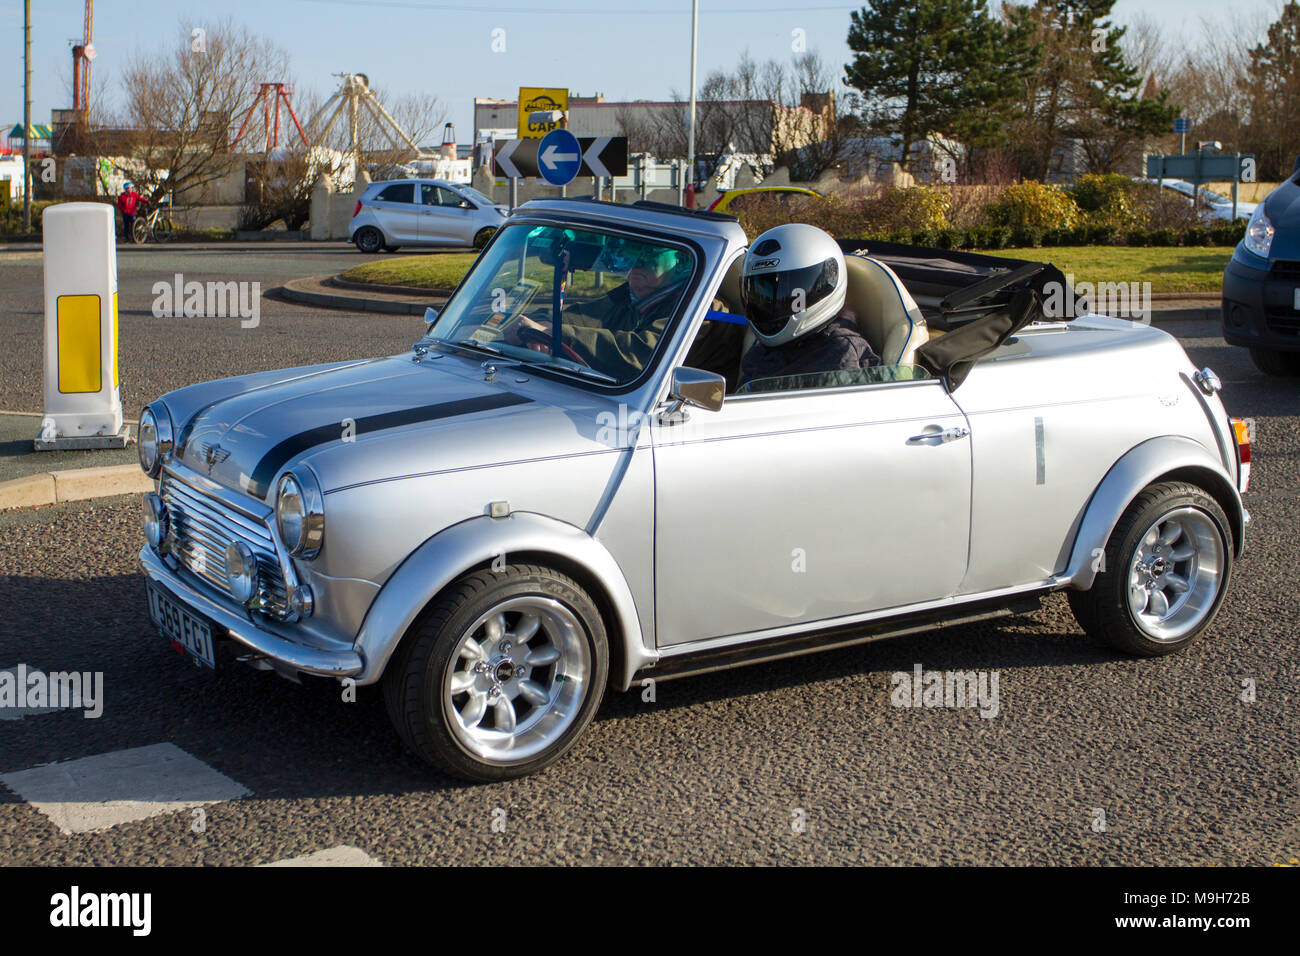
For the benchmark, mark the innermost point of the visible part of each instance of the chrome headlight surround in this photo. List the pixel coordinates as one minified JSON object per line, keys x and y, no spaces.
{"x":154,"y":439}
{"x":300,"y":512}
{"x":1259,"y":233}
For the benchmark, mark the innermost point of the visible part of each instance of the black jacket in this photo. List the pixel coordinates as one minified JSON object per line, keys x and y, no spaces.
{"x":835,"y":346}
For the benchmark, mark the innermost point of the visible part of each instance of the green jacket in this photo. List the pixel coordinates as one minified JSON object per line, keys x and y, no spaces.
{"x":614,"y":335}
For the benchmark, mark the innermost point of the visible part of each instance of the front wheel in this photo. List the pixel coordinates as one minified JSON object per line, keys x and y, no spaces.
{"x":1275,"y":362}
{"x":502,"y":674}
{"x":482,"y":236}
{"x":1163,"y":573}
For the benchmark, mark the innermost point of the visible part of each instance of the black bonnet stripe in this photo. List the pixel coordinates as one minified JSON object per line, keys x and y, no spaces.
{"x":291,"y":447}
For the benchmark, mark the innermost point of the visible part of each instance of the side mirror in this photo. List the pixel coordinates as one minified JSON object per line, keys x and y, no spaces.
{"x":430,"y":317}
{"x":693,"y":386}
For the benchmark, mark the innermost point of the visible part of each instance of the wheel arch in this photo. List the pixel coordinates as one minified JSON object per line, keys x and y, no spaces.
{"x":521,"y":538}
{"x":1168,"y":458}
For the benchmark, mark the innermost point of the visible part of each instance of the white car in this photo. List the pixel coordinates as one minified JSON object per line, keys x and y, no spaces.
{"x":431,"y":212}
{"x":1213,"y":205}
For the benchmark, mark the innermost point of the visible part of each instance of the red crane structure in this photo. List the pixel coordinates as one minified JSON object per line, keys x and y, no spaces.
{"x":81,"y":71}
{"x":270,"y":96}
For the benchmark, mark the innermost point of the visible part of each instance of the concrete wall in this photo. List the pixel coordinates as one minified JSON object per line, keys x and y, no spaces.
{"x":331,"y":211}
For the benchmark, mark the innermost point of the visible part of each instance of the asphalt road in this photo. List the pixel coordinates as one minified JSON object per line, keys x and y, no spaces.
{"x":718,"y":768}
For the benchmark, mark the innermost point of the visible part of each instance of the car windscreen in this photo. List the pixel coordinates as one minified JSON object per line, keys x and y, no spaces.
{"x":586,"y":303}
{"x":470,"y":192}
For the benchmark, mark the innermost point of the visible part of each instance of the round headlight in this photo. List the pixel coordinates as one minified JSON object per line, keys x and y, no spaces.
{"x":155,"y":521}
{"x":300,"y":514}
{"x":154,"y":438}
{"x":241,"y":571}
{"x":147,"y":442}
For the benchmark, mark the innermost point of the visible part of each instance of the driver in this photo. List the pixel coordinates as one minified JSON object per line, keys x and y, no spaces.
{"x":794,"y":284}
{"x":618,"y":332}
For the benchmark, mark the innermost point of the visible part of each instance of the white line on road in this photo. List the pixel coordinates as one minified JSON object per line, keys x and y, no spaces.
{"x":95,"y":793}
{"x":334,"y":856}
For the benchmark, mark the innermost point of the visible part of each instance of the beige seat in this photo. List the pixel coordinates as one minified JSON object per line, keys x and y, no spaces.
{"x":888,"y":316}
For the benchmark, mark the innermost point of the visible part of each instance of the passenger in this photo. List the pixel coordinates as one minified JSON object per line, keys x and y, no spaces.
{"x":794,"y":284}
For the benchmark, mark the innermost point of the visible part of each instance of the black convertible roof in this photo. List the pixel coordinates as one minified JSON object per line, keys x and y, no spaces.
{"x":981,"y":300}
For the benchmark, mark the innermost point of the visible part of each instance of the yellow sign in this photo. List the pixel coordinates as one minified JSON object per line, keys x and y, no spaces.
{"x":78,"y":317}
{"x":534,"y":99}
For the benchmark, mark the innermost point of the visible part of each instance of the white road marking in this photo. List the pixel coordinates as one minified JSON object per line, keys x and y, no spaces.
{"x":21,"y":711}
{"x":334,"y":856}
{"x":95,"y":793}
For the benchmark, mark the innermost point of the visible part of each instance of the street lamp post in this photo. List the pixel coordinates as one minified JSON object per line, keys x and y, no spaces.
{"x":690,"y":132}
{"x":27,"y":116}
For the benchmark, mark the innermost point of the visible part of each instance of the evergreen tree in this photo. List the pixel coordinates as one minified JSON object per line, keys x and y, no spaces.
{"x":1275,"y":97}
{"x":935,"y":66}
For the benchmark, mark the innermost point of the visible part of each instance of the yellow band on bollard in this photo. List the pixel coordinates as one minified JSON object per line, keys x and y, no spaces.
{"x":79,"y":345}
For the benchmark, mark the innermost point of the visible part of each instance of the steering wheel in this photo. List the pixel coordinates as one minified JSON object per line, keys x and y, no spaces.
{"x":537,"y":336}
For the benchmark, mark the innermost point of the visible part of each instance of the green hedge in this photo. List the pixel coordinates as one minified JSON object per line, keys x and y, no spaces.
{"x":1032,"y":237}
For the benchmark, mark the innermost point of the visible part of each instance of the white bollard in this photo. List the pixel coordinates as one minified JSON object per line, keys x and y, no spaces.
{"x":83,"y":405}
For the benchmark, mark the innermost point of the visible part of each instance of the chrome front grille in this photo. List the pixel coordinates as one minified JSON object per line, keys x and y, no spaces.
{"x":200,"y":527}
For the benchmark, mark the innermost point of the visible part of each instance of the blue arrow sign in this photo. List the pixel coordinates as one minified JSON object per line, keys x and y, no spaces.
{"x":559,"y":156}
{"x":1182,"y":126}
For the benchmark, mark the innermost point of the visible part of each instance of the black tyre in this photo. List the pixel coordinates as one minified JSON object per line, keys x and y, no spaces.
{"x":1273,"y":362}
{"x":164,"y":230}
{"x":139,"y":231}
{"x":1163,"y":573}
{"x":501,"y":675}
{"x":482,"y":237}
{"x":368,"y":239}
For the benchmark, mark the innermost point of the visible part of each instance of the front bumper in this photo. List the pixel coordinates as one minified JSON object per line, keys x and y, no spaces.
{"x":267,"y":641}
{"x":1259,"y":306}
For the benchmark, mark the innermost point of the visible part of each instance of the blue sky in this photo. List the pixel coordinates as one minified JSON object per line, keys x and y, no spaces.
{"x":620,"y":48}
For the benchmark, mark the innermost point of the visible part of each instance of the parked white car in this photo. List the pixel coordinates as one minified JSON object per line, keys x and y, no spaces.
{"x":423,"y":212}
{"x":1213,"y":207}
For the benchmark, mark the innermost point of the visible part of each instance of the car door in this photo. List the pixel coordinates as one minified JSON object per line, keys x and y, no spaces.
{"x":786,"y":508}
{"x":397,"y":212}
{"x":444,"y":216}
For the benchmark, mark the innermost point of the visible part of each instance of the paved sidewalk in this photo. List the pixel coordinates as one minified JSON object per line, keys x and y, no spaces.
{"x":29,"y":478}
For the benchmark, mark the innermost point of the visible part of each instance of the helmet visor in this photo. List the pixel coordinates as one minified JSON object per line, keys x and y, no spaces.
{"x":772,"y":297}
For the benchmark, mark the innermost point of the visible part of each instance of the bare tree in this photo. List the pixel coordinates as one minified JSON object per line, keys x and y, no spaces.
{"x":181,"y":104}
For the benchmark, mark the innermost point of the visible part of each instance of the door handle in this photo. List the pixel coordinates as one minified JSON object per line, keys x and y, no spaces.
{"x":939,"y":437}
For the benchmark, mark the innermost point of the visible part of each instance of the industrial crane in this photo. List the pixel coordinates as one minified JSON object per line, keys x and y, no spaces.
{"x":81,"y":71}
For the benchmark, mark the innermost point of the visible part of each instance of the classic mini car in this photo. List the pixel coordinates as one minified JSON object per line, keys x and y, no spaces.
{"x":541,"y":501}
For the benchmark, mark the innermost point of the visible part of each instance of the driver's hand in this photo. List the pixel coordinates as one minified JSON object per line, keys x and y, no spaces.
{"x":511,"y":334}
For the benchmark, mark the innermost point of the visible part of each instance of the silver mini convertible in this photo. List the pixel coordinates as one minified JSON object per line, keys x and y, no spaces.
{"x":566,"y":486}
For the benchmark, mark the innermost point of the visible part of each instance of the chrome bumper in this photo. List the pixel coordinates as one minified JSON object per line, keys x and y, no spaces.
{"x":277,"y":649}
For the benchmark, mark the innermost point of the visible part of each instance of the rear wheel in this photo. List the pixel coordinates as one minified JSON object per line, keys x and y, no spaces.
{"x":502,"y":675}
{"x":1163,"y":574}
{"x":368,"y":239}
{"x":164,"y":230}
{"x":1274,"y":362}
{"x":139,"y":231}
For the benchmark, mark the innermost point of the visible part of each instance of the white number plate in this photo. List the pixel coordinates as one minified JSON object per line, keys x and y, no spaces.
{"x":182,"y":627}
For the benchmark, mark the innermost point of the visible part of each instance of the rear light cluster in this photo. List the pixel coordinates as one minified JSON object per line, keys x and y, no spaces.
{"x":356,"y":212}
{"x":1243,"y":430}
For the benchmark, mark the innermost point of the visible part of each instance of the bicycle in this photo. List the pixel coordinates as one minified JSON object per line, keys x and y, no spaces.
{"x":153,"y":226}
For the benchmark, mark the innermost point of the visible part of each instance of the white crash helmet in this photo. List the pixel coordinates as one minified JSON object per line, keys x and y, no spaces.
{"x":793,"y":282}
